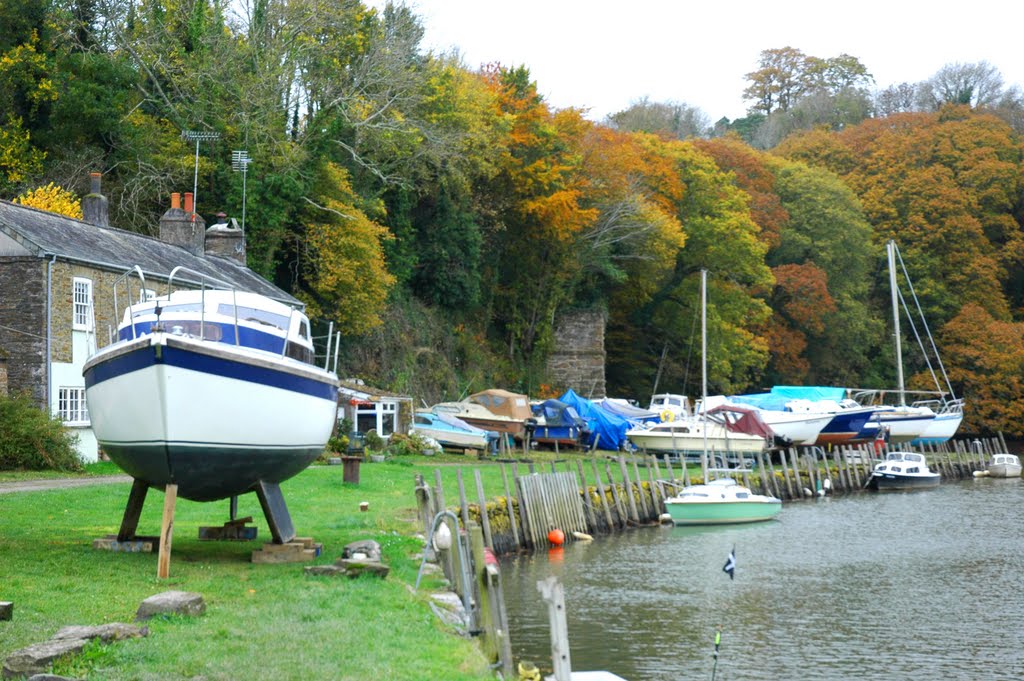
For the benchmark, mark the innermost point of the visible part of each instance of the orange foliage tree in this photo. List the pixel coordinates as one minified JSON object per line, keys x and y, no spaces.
{"x":985,"y":359}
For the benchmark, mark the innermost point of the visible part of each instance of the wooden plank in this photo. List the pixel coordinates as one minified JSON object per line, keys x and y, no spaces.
{"x":163,"y":564}
{"x":6,"y":611}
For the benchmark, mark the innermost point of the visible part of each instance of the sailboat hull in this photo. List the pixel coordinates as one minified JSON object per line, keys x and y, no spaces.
{"x":722,"y":513}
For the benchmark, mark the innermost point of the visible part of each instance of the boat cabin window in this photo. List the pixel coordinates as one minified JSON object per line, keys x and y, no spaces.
{"x":742,"y":495}
{"x":168,"y":309}
{"x":304,"y":329}
{"x":422,"y":420}
{"x":252,"y":314}
{"x":194,"y":328}
{"x":896,"y":469}
{"x":914,"y":469}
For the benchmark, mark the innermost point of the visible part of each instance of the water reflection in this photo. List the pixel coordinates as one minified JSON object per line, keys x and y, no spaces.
{"x":873,"y":586}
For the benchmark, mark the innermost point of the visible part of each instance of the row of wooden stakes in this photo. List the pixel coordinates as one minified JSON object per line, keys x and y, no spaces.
{"x":609,"y":494}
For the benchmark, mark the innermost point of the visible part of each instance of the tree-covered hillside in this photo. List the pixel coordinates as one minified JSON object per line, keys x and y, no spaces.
{"x":444,"y":217}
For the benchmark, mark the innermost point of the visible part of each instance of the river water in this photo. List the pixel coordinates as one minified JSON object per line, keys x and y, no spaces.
{"x":896,"y":585}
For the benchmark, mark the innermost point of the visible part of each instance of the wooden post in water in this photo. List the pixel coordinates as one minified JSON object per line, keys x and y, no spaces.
{"x":656,"y":499}
{"x":510,"y":507}
{"x":765,"y":489}
{"x":795,"y":465}
{"x":588,"y":502}
{"x":524,"y":514}
{"x":620,"y":508}
{"x":640,"y":490}
{"x":463,"y":504}
{"x":554,"y":595}
{"x":163,"y":564}
{"x":604,"y":499}
{"x":485,"y":521}
{"x":484,"y":612}
{"x":627,"y":489}
{"x":813,"y":479}
{"x":668,"y":469}
{"x":785,"y":473}
{"x":445,"y":557}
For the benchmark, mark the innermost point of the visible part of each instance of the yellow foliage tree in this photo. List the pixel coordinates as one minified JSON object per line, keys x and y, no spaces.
{"x":346,"y":276}
{"x":52,"y":198}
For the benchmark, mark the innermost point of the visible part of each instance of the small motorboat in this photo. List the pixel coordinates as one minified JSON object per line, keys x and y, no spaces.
{"x":1004,"y":465}
{"x":903,"y":470}
{"x":720,"y":502}
{"x":558,"y":423}
{"x":451,"y":431}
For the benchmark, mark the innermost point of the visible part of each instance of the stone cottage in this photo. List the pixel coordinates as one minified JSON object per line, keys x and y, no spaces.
{"x":57,"y":277}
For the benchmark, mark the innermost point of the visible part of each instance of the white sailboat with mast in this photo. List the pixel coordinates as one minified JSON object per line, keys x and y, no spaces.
{"x":927,"y":421}
{"x":721,"y":501}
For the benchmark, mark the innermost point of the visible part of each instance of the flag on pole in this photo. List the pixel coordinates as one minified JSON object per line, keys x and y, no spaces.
{"x":730,"y":564}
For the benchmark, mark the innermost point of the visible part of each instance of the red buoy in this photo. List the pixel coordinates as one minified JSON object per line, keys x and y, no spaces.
{"x":556,"y":537}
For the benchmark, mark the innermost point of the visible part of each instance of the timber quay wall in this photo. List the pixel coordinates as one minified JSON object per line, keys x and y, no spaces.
{"x":609,"y":494}
{"x":605,"y":495}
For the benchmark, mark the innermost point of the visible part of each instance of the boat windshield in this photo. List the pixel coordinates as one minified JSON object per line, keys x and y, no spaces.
{"x":253,"y":314}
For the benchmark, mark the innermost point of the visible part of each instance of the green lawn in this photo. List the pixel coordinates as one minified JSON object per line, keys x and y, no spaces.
{"x":262,"y":621}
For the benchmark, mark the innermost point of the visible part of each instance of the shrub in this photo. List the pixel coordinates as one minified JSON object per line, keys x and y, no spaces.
{"x":408,"y":445}
{"x":32,"y":439}
{"x":373,"y":441}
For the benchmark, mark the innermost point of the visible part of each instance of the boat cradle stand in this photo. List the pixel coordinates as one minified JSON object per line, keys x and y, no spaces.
{"x":269,"y":494}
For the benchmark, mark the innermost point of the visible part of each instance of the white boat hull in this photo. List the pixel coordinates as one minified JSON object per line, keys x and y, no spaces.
{"x":1004,"y":470}
{"x":942,"y":429}
{"x":719,"y":440}
{"x":214,"y":419}
{"x":448,"y":438}
{"x":800,"y":429}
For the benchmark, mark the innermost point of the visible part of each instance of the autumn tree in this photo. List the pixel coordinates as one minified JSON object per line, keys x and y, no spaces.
{"x":53,"y":199}
{"x":721,"y":237}
{"x":669,"y":119}
{"x":538,"y":192}
{"x":985,"y":360}
{"x":344,"y":276}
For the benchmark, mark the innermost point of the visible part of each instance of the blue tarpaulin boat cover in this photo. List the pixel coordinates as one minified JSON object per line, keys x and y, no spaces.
{"x":780,"y":394}
{"x":610,"y":427}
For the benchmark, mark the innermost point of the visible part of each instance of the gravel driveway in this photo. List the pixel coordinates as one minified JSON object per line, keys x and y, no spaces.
{"x":57,"y":483}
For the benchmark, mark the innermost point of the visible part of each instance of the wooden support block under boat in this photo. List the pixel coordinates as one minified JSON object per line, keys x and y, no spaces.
{"x":301,"y":550}
{"x":276,"y":511}
{"x":232,"y":530}
{"x":163,"y":561}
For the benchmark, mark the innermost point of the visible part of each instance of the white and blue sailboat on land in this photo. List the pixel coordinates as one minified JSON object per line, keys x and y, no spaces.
{"x":213,"y":391}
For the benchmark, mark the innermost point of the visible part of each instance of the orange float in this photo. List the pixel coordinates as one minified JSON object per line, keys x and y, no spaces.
{"x":556,"y":537}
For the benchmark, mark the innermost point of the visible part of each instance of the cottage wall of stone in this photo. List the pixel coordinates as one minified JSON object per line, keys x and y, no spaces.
{"x":23,"y":324}
{"x":579,"y":358}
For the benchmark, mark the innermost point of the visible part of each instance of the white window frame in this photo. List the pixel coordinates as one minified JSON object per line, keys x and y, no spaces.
{"x":71,"y":406}
{"x":146,"y":295}
{"x":378,"y":411}
{"x":81,"y":304}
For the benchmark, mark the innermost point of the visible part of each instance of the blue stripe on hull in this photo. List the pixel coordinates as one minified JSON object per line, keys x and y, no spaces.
{"x":208,"y":472}
{"x":151,"y":355}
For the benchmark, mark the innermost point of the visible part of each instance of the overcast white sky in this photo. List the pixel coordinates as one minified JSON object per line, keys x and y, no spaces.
{"x":602,"y":55}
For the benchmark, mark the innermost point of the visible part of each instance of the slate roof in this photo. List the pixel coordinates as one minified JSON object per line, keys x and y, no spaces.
{"x":46,"y":234}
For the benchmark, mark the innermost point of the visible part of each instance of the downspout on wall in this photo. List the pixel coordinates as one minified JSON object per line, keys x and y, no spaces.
{"x":49,"y":330}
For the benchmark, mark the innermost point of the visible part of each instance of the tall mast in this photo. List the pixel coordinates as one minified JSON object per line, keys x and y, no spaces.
{"x":704,"y":368}
{"x":891,"y":250}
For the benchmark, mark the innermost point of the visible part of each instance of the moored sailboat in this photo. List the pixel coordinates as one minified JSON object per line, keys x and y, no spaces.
{"x":721,"y":501}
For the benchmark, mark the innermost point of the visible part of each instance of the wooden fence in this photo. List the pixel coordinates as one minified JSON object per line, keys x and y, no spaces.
{"x":604,"y":495}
